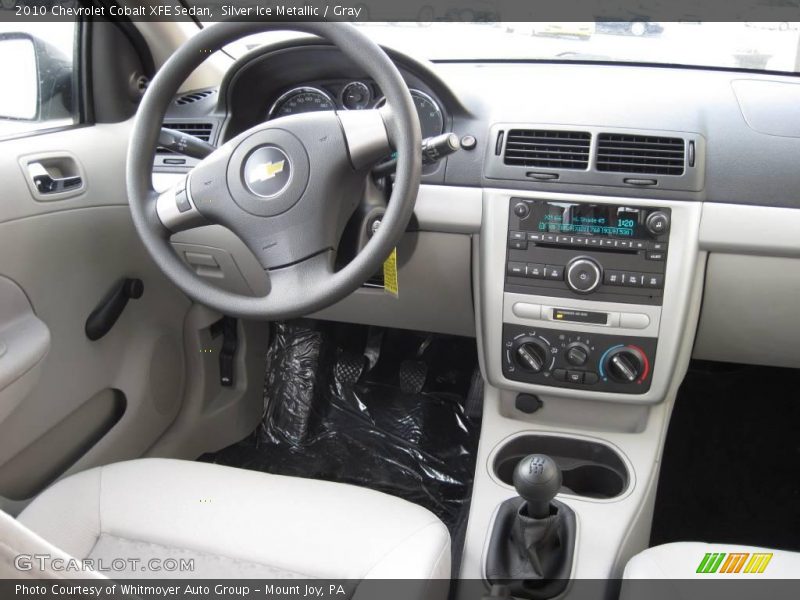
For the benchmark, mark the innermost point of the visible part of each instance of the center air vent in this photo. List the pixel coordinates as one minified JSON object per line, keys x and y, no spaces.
{"x":648,"y":155}
{"x":199,"y":130}
{"x":547,"y":149}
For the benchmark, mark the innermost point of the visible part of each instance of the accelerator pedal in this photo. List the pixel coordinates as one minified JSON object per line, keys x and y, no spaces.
{"x":412,"y":375}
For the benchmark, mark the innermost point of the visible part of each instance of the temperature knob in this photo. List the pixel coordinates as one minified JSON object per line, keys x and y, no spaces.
{"x":625,"y":364}
{"x":532,"y":355}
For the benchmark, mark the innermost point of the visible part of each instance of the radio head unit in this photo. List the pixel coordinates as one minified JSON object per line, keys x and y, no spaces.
{"x":616,"y":253}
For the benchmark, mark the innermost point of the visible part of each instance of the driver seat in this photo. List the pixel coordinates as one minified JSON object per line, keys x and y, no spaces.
{"x":232,"y":523}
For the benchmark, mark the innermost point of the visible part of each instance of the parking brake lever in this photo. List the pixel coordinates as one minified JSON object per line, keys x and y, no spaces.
{"x":183,"y":143}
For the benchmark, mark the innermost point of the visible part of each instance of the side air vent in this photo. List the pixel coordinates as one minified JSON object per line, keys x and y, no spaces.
{"x":199,"y":130}
{"x":546,"y":149}
{"x":193,"y":97}
{"x":647,"y":155}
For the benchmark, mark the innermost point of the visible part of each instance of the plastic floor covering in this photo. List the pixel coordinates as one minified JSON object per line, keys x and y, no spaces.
{"x":343,"y":403}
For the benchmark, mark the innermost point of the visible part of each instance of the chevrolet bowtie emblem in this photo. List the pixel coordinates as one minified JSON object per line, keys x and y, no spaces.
{"x":266,"y":171}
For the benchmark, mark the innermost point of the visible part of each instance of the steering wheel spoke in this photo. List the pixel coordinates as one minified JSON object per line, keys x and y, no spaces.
{"x":366,"y":135}
{"x":176,"y":209}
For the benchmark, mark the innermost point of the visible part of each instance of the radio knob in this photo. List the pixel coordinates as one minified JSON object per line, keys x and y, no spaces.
{"x":583,"y":275}
{"x":657,"y":223}
{"x":532,"y":355}
{"x":522,"y":210}
{"x":624,"y":365}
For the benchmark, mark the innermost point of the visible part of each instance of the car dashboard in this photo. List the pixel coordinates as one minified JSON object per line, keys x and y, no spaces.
{"x":574,"y":231}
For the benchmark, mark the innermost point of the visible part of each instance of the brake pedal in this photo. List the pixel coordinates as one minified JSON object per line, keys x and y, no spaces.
{"x":349,"y":367}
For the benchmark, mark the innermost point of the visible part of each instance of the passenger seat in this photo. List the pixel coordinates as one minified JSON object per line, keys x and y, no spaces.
{"x":685,"y":560}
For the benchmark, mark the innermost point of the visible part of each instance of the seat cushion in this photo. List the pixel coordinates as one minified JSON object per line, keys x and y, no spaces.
{"x":683,"y":560}
{"x":238,"y":523}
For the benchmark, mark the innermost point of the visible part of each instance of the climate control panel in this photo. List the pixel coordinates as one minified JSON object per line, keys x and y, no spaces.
{"x":591,"y":361}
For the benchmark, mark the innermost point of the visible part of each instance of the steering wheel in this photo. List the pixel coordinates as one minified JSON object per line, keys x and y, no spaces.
{"x":286,"y":187}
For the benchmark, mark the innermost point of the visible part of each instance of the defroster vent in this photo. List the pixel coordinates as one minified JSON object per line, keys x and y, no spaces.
{"x":547,"y":149}
{"x":647,"y":155}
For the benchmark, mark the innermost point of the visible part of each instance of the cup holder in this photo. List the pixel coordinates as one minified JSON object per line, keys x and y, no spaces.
{"x":588,"y":469}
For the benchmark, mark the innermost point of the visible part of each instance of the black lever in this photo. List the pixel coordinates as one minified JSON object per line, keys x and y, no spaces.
{"x":183,"y":143}
{"x":226,"y":326}
{"x":105,"y":315}
{"x":434,"y":149}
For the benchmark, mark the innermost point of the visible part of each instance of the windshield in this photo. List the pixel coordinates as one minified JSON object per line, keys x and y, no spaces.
{"x":761,"y":46}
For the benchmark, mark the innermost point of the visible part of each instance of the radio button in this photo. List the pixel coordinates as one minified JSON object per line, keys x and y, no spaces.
{"x":607,"y":243}
{"x":564,"y":239}
{"x":633,"y":320}
{"x":660,"y":246}
{"x":549,"y":237}
{"x":534,"y":237}
{"x":527,"y":311}
{"x":535,"y":271}
{"x":594,"y":241}
{"x":632,"y":279}
{"x":654,"y":280}
{"x":640,"y":245}
{"x":517,"y":269}
{"x":656,"y":256}
{"x":613,"y":278}
{"x":580,"y":241}
{"x":517,"y":235}
{"x":518,"y":244}
{"x":624,"y":244}
{"x":556,"y":273}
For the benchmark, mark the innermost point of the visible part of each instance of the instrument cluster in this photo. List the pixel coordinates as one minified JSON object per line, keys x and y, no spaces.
{"x":353,"y":95}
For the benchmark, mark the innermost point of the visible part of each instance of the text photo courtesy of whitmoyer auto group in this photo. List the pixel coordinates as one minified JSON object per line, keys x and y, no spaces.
{"x":419,"y":300}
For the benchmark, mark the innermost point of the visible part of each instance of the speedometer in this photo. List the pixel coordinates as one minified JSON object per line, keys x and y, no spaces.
{"x":431,"y":120}
{"x":300,"y":100}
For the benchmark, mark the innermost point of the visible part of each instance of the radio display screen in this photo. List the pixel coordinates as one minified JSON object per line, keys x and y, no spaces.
{"x":603,"y":220}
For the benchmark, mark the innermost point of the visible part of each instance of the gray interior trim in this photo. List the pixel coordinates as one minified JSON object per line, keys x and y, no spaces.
{"x":764,"y":230}
{"x":24,"y":342}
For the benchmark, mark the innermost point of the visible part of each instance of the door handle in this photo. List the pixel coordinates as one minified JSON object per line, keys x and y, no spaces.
{"x":45,"y":183}
{"x":53,"y":175}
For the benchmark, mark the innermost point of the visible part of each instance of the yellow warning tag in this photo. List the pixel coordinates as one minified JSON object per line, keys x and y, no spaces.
{"x":390,"y":274}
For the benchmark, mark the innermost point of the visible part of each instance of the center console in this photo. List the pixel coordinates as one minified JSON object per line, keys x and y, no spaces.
{"x":585,"y":296}
{"x":579,"y":251}
{"x":586,"y":312}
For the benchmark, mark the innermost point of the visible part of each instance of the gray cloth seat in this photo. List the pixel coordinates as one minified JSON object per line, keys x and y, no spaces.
{"x":235,"y":523}
{"x":685,"y":560}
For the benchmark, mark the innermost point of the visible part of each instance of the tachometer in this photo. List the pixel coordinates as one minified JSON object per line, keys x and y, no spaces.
{"x":431,"y":119}
{"x":300,"y":100}
{"x":356,"y":96}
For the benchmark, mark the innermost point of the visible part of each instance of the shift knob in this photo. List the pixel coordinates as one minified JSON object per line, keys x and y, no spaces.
{"x":537,"y":479}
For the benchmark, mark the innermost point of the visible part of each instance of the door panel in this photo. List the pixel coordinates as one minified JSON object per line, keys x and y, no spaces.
{"x":90,"y":402}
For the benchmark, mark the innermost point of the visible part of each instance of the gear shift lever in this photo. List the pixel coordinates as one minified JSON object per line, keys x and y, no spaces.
{"x":537,"y":479}
{"x":533,"y":538}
